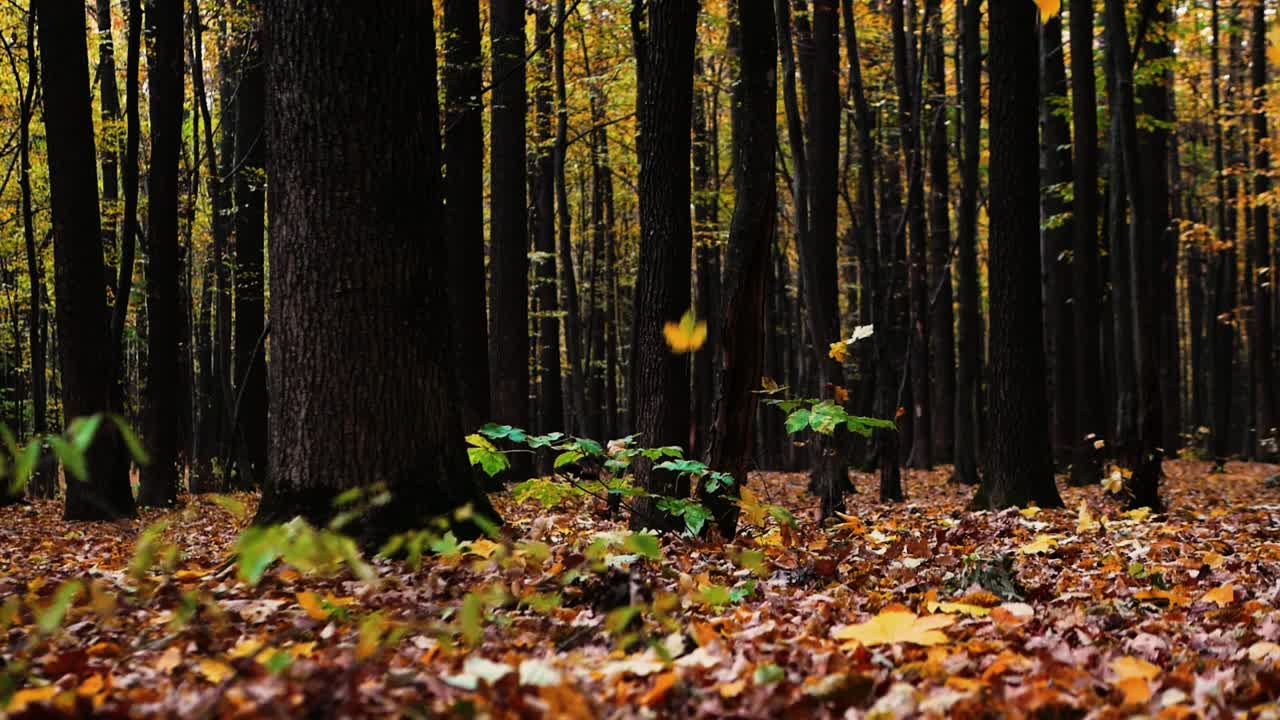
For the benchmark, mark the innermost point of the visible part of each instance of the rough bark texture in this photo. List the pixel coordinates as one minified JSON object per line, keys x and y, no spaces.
{"x":81,"y":312}
{"x":464,"y":206}
{"x":942,"y":350}
{"x":159,"y":482}
{"x":250,"y":344}
{"x":664,"y":33}
{"x":1085,"y":294}
{"x":551,"y":416}
{"x":1262,"y":345}
{"x":739,"y":349}
{"x":1019,"y":465}
{"x":508,"y":235}
{"x":361,"y":389}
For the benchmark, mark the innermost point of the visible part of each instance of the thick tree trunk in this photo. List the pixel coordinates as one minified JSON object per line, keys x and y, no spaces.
{"x":969,"y":328}
{"x":250,"y":377}
{"x":464,"y":206}
{"x":739,"y":348}
{"x":83,"y":337}
{"x":159,"y":483}
{"x":508,"y":234}
{"x":1019,"y":466}
{"x":1085,"y":296}
{"x":361,"y":386}
{"x":664,"y":32}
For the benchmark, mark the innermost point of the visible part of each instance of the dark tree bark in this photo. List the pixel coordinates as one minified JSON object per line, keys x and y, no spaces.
{"x":909,"y":110}
{"x":706,"y":256}
{"x":165,"y":74}
{"x":1124,"y":425}
{"x":1222,"y":267}
{"x":551,"y":415}
{"x":109,"y":103}
{"x":133,"y":139}
{"x":969,"y":327}
{"x":508,"y":235}
{"x":942,"y":351}
{"x":1144,"y":454}
{"x":464,"y":206}
{"x":80,"y":281}
{"x":1019,"y":466}
{"x":571,"y":321}
{"x":250,"y":191}
{"x":1055,"y":240}
{"x":664,"y":33}
{"x":1261,"y":342}
{"x":739,"y":348}
{"x":1085,"y":296}
{"x":361,"y":389}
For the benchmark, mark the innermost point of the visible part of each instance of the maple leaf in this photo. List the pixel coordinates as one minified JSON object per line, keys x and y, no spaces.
{"x":850,"y":523}
{"x":838,"y":351}
{"x":1041,"y":544}
{"x":687,"y":335}
{"x":753,"y":511}
{"x":1048,"y":9}
{"x":1084,"y":519}
{"x":894,"y":626}
{"x":1133,"y":679}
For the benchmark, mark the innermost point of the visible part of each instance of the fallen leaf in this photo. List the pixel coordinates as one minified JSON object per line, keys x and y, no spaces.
{"x":313,"y":605}
{"x":661,"y":687}
{"x":215,"y":671}
{"x":1041,"y":544}
{"x":1222,"y":596}
{"x":897,"y":626}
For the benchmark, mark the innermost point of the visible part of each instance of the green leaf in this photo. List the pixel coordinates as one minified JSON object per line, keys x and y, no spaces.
{"x":644,"y":544}
{"x":131,"y":440}
{"x":715,"y":595}
{"x":768,"y":674}
{"x":82,"y":430}
{"x":691,"y":467}
{"x":541,"y":441}
{"x":695,"y":514}
{"x":568,"y":457}
{"x":234,"y":507}
{"x":256,"y":549}
{"x":494,"y":431}
{"x":146,"y":549}
{"x":798,"y":420}
{"x":743,"y":591}
{"x":48,"y":619}
{"x":72,"y":458}
{"x":471,"y":618}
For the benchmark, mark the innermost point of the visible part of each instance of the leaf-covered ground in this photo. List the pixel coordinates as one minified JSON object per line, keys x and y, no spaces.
{"x":920,"y":609}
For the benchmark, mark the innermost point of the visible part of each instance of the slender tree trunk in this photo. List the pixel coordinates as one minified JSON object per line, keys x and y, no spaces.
{"x":1019,"y":467}
{"x":1262,"y":344}
{"x":464,"y":206}
{"x":739,"y":346}
{"x":550,"y":390}
{"x":83,"y":335}
{"x":969,"y":328}
{"x":165,"y":74}
{"x":1145,"y":454}
{"x":707,"y":257}
{"x":1086,"y":292}
{"x":508,"y":235}
{"x":664,"y":32}
{"x":942,"y":352}
{"x":109,"y":102}
{"x":133,"y":139}
{"x":362,"y":392}
{"x":571,"y":320}
{"x":908,"y":84}
{"x":250,"y":307}
{"x":1223,"y":269}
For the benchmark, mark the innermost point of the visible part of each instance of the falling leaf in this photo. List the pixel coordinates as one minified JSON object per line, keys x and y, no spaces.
{"x":215,"y":671}
{"x":687,"y":335}
{"x":1042,"y":544}
{"x":1084,"y":519}
{"x":896,"y":626}
{"x":1222,"y":596}
{"x":840,"y":394}
{"x":1048,"y":9}
{"x":839,"y":351}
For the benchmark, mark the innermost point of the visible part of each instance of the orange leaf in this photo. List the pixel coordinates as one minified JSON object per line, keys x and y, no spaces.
{"x":1137,"y":691}
{"x":661,"y":687}
{"x":1222,"y":595}
{"x":313,"y":605}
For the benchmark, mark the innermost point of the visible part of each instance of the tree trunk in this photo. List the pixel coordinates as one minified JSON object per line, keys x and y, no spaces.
{"x":109,"y":102}
{"x":1019,"y":467}
{"x":707,"y":256}
{"x":1090,"y":421}
{"x":159,"y":483}
{"x":571,"y":319}
{"x":1261,"y":344}
{"x":969,"y":327}
{"x":739,"y":348}
{"x":942,"y":351}
{"x":361,"y":389}
{"x":79,"y":278}
{"x":1144,"y":454}
{"x":550,"y":391}
{"x":464,"y":206}
{"x":664,"y":32}
{"x":508,"y":234}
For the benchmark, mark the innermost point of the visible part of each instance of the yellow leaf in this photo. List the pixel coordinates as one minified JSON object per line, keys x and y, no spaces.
{"x":1134,"y":667}
{"x":839,"y":351}
{"x":215,"y":671}
{"x":733,"y":689}
{"x":245,"y":648}
{"x":958,"y":607}
{"x":1273,"y":46}
{"x":1048,"y":8}
{"x":484,"y":547}
{"x":753,"y":511}
{"x":30,"y":696}
{"x":313,"y":605}
{"x":1213,"y":559}
{"x":1138,"y":514}
{"x":171,"y":659}
{"x":687,"y":335}
{"x":1084,"y":519}
{"x":896,"y":626}
{"x":850,"y":523}
{"x":1137,"y":691}
{"x":1221,"y":596}
{"x":1029,"y":512}
{"x":1042,"y":544}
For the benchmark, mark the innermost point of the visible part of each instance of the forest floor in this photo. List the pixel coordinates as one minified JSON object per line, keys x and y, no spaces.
{"x":918,"y":609}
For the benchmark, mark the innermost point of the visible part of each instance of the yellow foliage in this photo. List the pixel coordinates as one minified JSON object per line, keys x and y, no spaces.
{"x":687,"y":335}
{"x":894,"y":626}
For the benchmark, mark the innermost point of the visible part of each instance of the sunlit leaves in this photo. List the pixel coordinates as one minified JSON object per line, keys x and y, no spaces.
{"x":894,"y":626}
